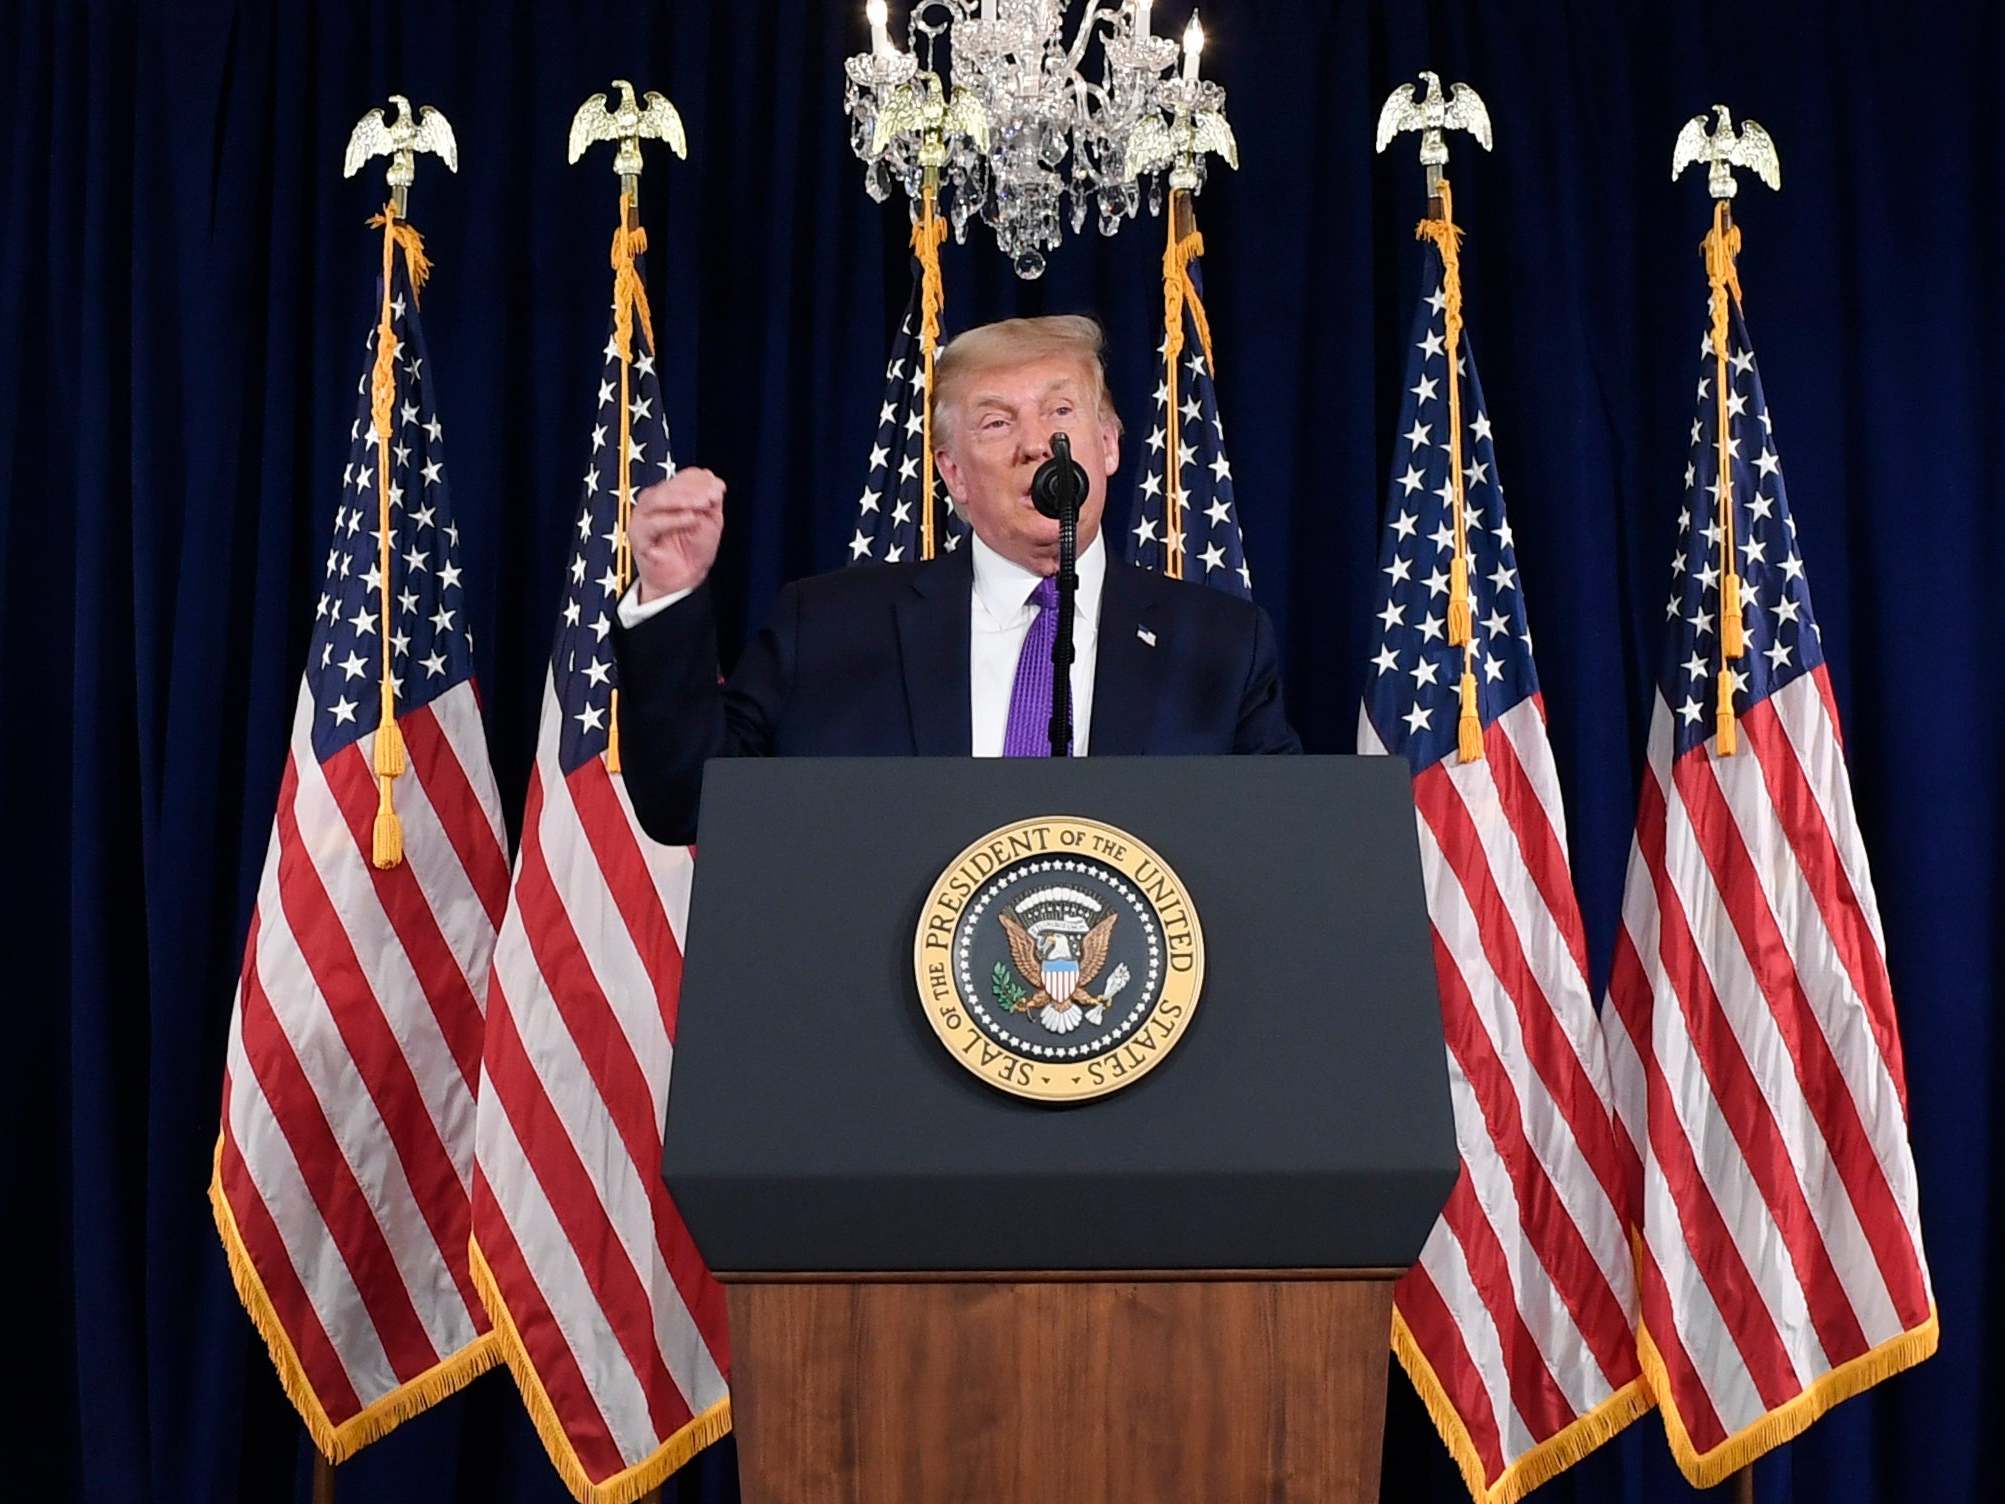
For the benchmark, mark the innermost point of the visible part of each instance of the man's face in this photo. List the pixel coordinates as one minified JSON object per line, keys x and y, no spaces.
{"x":999,"y":431}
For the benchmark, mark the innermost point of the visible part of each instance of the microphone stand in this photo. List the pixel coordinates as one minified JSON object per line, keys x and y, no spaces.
{"x":1056,"y":490}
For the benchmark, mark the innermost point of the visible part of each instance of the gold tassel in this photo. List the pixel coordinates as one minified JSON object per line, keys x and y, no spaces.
{"x":1469,"y":728}
{"x":613,"y":735}
{"x":1461,"y":617}
{"x":1733,"y":626}
{"x":927,"y":234}
{"x":1723,"y":718}
{"x":389,"y":760}
{"x":389,"y":842}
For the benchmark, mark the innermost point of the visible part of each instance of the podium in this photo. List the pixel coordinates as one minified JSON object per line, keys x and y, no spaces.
{"x":940,"y":1292}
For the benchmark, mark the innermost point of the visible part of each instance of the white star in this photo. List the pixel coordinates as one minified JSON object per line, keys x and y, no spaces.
{"x":1752,"y":551}
{"x":448,"y":576}
{"x":915,"y":421}
{"x":442,"y":619}
{"x":598,"y":437}
{"x":1443,"y":536}
{"x":592,"y":482}
{"x":1430,"y":346}
{"x":1493,"y":669}
{"x":859,"y":546}
{"x":1695,"y":665}
{"x":1777,"y":654}
{"x":1736,"y":404}
{"x":1431,"y":629}
{"x":351,"y":667}
{"x":422,"y":518}
{"x":1393,"y":616}
{"x":431,"y":470}
{"x":408,"y":412}
{"x":1196,"y":363}
{"x":870,"y":499}
{"x":1416,"y":719}
{"x":1404,"y":523}
{"x":640,"y":407}
{"x":1742,"y":362}
{"x":1691,"y":475}
{"x":1702,"y":622}
{"x":403,"y":454}
{"x":609,"y":581}
{"x":1220,"y":469}
{"x":435,"y":430}
{"x":570,"y":613}
{"x":605,"y":393}
{"x":1437,"y":300}
{"x":1786,"y":609}
{"x":600,"y":626}
{"x":1708,"y":575}
{"x":1386,"y":659}
{"x":1411,"y":480}
{"x":637,"y":452}
{"x":1481,"y":427}
{"x":591,"y":718}
{"x":1400,"y":569}
{"x":362,"y":620}
{"x":1156,"y":440}
{"x":343,"y":711}
{"x":1767,"y":462}
{"x":1761,"y":506}
{"x":908,"y":467}
{"x":1793,"y":567}
{"x":399,"y":646}
{"x":1436,"y":583}
{"x":1219,"y":510}
{"x":1671,"y":606}
{"x":1496,"y":623}
{"x":415,"y":560}
{"x":1705,"y":386}
{"x":1424,"y":669}
{"x":645,"y":363}
{"x":901,"y":512}
{"x":407,"y":601}
{"x":435,"y":664}
{"x":578,"y":569}
{"x":1477,"y":471}
{"x":363,"y":475}
{"x":1145,"y":530}
{"x":612,"y":348}
{"x":1505,"y":538}
{"x":1214,"y":556}
{"x":896,"y":553}
{"x":598,"y":672}
{"x":1424,"y":389}
{"x":1692,"y":711}
{"x":879,"y":457}
{"x":1417,"y":435}
{"x":326,"y":653}
{"x":1152,"y":485}
{"x":887,"y":414}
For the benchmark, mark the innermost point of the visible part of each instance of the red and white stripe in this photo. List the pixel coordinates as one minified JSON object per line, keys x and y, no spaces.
{"x":1756,"y":1059}
{"x":1516,"y":1324}
{"x":611,"y":1322}
{"x":346,"y":1155}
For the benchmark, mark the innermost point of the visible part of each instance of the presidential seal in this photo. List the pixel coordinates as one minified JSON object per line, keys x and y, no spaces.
{"x":1059,"y":958}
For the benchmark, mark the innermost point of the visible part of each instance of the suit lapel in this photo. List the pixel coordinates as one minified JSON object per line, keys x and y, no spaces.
{"x":933,"y":651}
{"x":1128,"y":668}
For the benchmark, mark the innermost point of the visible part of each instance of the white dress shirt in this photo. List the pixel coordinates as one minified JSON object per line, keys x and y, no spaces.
{"x":999,"y":619}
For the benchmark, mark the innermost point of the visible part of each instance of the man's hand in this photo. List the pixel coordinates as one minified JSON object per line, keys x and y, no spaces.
{"x":676,"y":526}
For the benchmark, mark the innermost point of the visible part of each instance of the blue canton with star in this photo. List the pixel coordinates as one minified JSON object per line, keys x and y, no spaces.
{"x":1782,"y":636}
{"x":431,"y":648}
{"x":582,"y":668}
{"x":1413,"y":698}
{"x":887,"y":524}
{"x":1210,"y":516}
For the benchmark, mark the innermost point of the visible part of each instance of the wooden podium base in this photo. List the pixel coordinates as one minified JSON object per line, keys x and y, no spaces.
{"x":1012,"y":1388}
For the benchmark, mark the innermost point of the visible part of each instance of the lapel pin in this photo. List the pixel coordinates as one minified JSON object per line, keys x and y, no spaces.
{"x":1146,"y":635}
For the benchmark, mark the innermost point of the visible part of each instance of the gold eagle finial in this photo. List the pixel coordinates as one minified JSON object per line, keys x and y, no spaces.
{"x":650,"y":117}
{"x":401,"y":140}
{"x":1723,"y":149}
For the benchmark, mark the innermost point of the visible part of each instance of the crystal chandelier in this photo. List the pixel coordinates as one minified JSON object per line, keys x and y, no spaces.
{"x":1016,"y":132}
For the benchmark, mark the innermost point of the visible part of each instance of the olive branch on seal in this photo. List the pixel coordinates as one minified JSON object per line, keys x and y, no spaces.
{"x":1008,"y":992}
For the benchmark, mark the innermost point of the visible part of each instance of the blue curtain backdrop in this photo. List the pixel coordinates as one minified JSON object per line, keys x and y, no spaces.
{"x":184,"y":285}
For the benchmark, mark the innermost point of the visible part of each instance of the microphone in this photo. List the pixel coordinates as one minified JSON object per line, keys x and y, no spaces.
{"x":1060,"y":482}
{"x":1058,"y":490}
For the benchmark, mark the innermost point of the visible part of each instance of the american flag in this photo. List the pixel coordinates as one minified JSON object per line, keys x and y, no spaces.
{"x":342,"y":1169}
{"x":611,"y":1324}
{"x":887,"y":524}
{"x":1751,"y":1023}
{"x":1515,"y":1325}
{"x":1210,"y":515}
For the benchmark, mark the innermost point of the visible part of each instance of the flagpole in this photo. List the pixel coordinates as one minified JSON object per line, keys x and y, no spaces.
{"x":323,"y":1478}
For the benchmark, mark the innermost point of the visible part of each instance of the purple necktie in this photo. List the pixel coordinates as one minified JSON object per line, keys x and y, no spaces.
{"x":1028,"y":732}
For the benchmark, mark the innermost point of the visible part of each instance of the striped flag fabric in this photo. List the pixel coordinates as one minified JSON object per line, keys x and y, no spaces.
{"x":611,"y":1324}
{"x":1515,"y":1326}
{"x":888,"y":520}
{"x":1190,"y":529}
{"x":1750,"y":1019}
{"x":342,"y":1168}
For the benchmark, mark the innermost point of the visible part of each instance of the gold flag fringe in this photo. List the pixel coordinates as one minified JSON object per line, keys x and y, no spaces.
{"x":1788,"y":1420}
{"x":622,"y":1488}
{"x":337,"y":1443}
{"x":928,"y":231}
{"x":1543,"y":1462}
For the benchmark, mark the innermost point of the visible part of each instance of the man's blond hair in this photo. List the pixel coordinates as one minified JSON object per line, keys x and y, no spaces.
{"x":1012,"y":342}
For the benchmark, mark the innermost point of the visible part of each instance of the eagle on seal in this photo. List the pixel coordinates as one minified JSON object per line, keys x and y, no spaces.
{"x":1047,"y":963}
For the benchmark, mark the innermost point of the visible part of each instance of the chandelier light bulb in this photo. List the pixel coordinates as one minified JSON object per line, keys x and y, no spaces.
{"x":1193,"y":45}
{"x":880,"y":36}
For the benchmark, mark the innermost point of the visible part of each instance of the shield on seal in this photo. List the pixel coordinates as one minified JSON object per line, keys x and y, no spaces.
{"x":1060,"y":975}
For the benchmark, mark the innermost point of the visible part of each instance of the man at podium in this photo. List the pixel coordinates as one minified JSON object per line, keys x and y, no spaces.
{"x":950,"y":657}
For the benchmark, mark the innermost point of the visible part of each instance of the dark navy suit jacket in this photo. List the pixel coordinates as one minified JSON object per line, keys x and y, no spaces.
{"x":872,"y":661}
